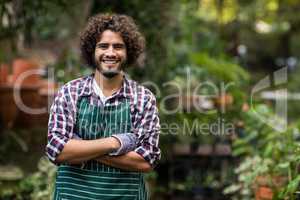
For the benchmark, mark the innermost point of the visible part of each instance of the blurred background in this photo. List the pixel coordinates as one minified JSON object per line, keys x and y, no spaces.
{"x":224,"y":73}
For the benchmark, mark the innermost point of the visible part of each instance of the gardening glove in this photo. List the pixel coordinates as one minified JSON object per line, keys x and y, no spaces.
{"x":128,"y":143}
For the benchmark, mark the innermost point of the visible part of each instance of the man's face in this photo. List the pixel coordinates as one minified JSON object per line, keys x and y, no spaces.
{"x":110,"y":53}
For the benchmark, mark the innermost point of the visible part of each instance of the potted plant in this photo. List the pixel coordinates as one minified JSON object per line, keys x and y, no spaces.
{"x":269,"y":160}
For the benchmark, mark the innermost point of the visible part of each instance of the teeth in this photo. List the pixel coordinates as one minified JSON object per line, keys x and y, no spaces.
{"x":110,"y":61}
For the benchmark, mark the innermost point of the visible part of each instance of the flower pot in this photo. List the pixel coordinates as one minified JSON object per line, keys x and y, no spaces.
{"x":47,"y":87}
{"x":265,"y":186}
{"x":263,"y":193}
{"x":270,"y":181}
{"x":223,"y":101}
{"x":3,"y":73}
{"x":8,"y":107}
{"x":23,"y":74}
{"x":30,"y":102}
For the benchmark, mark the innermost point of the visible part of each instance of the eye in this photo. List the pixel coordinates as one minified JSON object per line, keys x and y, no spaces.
{"x":102,"y":46}
{"x":119,"y":46}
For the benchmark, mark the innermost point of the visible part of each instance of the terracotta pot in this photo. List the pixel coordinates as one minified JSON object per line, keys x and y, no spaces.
{"x":20,"y":66}
{"x":47,"y":87}
{"x":10,"y":79}
{"x":3,"y":73}
{"x":30,"y":98}
{"x":245,"y":107}
{"x":271,"y":181}
{"x":265,"y":185}
{"x":263,"y":193}
{"x":8,"y":107}
{"x":224,"y":101}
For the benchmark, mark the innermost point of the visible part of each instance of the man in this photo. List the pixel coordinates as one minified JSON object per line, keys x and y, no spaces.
{"x":103,"y":128}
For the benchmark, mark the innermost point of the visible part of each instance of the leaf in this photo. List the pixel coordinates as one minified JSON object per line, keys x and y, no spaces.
{"x":268,"y":151}
{"x":241,"y":151}
{"x":239,"y":142}
{"x":232,"y":189}
{"x":291,"y":187}
{"x":284,"y":165}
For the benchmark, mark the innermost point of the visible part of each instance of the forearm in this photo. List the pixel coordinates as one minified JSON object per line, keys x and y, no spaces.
{"x":130,"y":161}
{"x":77,"y":151}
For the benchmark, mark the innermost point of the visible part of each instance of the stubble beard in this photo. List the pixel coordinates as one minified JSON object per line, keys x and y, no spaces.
{"x":109,"y":73}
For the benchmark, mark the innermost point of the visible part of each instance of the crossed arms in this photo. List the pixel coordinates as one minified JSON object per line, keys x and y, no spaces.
{"x":78,"y":151}
{"x":62,"y":147}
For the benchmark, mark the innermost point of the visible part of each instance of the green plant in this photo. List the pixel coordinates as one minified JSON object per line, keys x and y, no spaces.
{"x":36,"y":186}
{"x":266,"y":153}
{"x":39,"y":185}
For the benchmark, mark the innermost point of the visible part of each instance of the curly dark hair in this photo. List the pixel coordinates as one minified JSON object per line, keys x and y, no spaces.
{"x":123,"y":24}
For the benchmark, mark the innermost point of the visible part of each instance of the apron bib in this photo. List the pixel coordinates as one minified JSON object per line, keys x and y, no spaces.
{"x":96,"y":181}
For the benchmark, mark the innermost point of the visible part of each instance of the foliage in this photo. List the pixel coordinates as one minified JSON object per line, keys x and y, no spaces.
{"x":68,"y":67}
{"x":293,"y":89}
{"x":217,"y":40}
{"x":37,"y":186}
{"x":40,"y":185}
{"x":34,"y":18}
{"x":216,"y":68}
{"x":266,"y":152}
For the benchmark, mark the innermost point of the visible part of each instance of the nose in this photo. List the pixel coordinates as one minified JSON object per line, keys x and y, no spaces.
{"x":110,"y":52}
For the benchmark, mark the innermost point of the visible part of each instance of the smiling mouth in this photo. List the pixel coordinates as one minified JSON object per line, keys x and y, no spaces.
{"x":110,"y":61}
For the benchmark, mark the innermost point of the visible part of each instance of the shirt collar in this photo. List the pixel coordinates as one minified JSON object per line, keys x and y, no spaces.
{"x":87,"y":87}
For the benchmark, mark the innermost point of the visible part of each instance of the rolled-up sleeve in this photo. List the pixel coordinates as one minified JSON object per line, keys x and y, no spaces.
{"x":60,"y":125}
{"x":147,"y":127}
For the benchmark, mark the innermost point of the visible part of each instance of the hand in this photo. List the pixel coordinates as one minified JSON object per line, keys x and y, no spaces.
{"x":128,"y":142}
{"x":116,"y":144}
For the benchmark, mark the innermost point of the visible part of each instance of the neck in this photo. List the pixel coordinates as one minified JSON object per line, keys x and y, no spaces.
{"x":109,"y":85}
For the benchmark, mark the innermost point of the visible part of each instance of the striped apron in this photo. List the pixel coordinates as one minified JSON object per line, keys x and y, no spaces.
{"x":94,"y":180}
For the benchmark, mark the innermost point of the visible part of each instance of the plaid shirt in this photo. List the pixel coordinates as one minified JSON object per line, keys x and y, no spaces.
{"x":144,"y":115}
